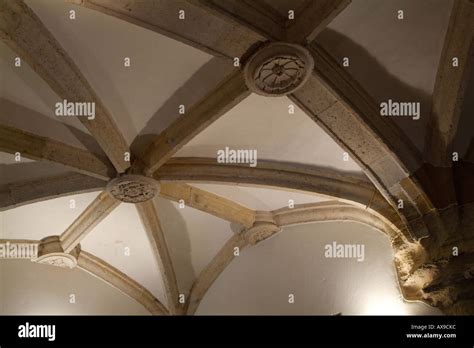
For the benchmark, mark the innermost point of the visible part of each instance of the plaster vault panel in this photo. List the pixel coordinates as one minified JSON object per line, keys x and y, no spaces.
{"x":264,"y":124}
{"x":259,"y":198}
{"x":121,"y":241}
{"x":23,"y":88}
{"x":28,"y":170}
{"x":67,"y":130}
{"x":369,"y":33}
{"x":193,"y":238}
{"x":98,"y":44}
{"x":12,"y":171}
{"x":38,"y":220}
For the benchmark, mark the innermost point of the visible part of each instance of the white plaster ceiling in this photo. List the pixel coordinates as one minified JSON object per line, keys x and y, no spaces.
{"x":193,"y":238}
{"x":260,"y":198}
{"x":138,"y":98}
{"x":68,"y":130}
{"x":41,"y":219}
{"x":23,"y":87}
{"x":264,"y":124}
{"x":391,"y":58}
{"x":31,"y":170}
{"x":121,"y":241}
{"x":256,"y":282}
{"x":98,"y":45}
{"x":12,"y":171}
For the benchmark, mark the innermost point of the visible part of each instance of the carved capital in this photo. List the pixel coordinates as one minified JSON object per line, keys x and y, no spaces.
{"x":50,"y":252}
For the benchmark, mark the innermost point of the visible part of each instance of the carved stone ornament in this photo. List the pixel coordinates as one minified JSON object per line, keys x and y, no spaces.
{"x":51,"y":253}
{"x":263,"y":228}
{"x":133,"y":188}
{"x":278,"y":69}
{"x":261,"y":231}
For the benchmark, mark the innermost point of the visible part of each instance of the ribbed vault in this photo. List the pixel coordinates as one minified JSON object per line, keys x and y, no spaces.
{"x":268,"y":54}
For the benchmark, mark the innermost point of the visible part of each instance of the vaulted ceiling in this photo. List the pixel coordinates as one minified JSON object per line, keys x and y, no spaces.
{"x":322,"y":145}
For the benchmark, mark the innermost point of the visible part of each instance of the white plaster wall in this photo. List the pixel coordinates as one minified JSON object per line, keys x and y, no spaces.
{"x":30,"y":289}
{"x":292,"y":262}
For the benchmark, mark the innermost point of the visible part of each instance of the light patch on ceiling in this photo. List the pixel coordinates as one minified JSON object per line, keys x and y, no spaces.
{"x":41,"y":219}
{"x":261,"y":279}
{"x":265,"y":124}
{"x":28,"y":288}
{"x":259,"y":198}
{"x":121,"y":240}
{"x":193,"y":238}
{"x":384,"y":304}
{"x":98,"y":44}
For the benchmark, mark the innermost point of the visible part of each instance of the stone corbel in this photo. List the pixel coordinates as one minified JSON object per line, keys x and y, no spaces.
{"x":50,"y":252}
{"x":263,"y":228}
